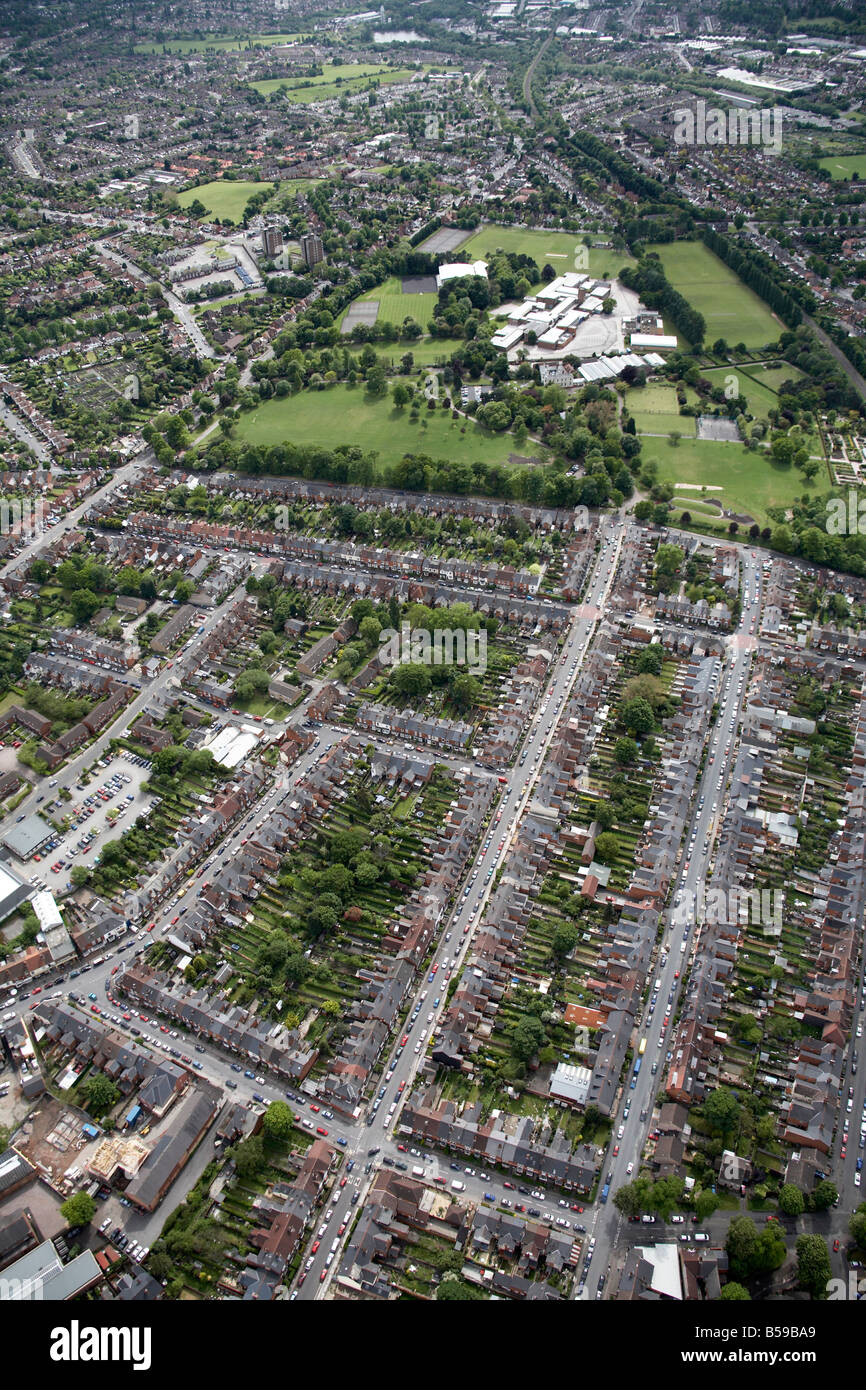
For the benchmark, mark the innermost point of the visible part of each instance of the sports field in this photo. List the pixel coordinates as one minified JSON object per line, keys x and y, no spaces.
{"x":344,"y":415}
{"x":757,"y":385}
{"x":750,"y":483}
{"x":557,"y":248}
{"x":731,"y":310}
{"x":394,"y":306}
{"x":222,"y":197}
{"x":842,"y":166}
{"x":655,"y":411}
{"x":220,"y":41}
{"x":335,"y":79}
{"x":228,"y":197}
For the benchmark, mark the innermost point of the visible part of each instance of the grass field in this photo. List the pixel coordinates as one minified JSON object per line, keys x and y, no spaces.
{"x":352,"y":76}
{"x":844,"y":165}
{"x":344,"y":415}
{"x":557,"y":248}
{"x":758,"y":389}
{"x":223,"y":41}
{"x":394,"y":306}
{"x":655,"y":411}
{"x":750,"y":482}
{"x":730,"y":309}
{"x":223,"y":197}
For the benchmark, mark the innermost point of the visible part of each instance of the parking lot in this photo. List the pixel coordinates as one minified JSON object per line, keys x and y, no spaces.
{"x":98,"y":810}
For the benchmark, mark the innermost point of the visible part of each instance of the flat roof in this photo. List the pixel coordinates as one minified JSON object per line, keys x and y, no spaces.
{"x":24,"y":839}
{"x":40,"y":1274}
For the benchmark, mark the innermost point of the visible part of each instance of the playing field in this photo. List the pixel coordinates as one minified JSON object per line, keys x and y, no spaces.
{"x":222,"y":198}
{"x":344,"y":415}
{"x":731,"y":310}
{"x":335,"y":79}
{"x":655,"y":411}
{"x":750,"y":483}
{"x":556,"y":248}
{"x":394,"y":306}
{"x":221,"y":41}
{"x":758,"y":385}
{"x":843,"y":166}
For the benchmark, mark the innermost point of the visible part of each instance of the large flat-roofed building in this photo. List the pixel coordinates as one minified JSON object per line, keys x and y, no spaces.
{"x":40,"y":1274}
{"x":13,"y":891}
{"x":28,"y":837}
{"x":458,"y":270}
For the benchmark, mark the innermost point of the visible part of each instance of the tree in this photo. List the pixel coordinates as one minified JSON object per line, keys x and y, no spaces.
{"x":813,"y":1264}
{"x":249,"y":1156}
{"x":706,"y":1203}
{"x":637,"y":715}
{"x":79,"y":875}
{"x":740,"y":1245}
{"x":251,"y":683}
{"x":527,"y":1037}
{"x":606,"y":846}
{"x":722,"y":1110}
{"x":564,"y":940}
{"x":824,"y":1195}
{"x":278,"y":1120}
{"x":101,"y":1094}
{"x":734,"y":1293}
{"x":465,"y":691}
{"x":857,"y":1226}
{"x":79,"y":1209}
{"x":791,"y":1200}
{"x":625,"y":751}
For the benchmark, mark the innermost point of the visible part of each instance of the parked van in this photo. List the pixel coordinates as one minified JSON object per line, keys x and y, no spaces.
{"x":458,"y":1186}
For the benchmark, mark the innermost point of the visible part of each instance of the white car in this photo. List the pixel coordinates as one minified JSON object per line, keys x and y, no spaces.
{"x":630,"y":1168}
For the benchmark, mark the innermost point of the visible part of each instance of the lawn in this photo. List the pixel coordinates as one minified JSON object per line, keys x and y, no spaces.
{"x":731,"y":310}
{"x":759,"y":390}
{"x":224,"y":197}
{"x":223,"y":41}
{"x":557,"y":248}
{"x":345,"y":415}
{"x":655,"y":411}
{"x":749,"y":482}
{"x":843,"y":166}
{"x":394,"y":306}
{"x":347,"y":77}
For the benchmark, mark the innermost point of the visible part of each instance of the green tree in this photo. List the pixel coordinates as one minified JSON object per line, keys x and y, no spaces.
{"x":79,"y":1209}
{"x":101,"y":1094}
{"x":278,"y":1121}
{"x":734,"y":1293}
{"x":722,"y":1110}
{"x":813,"y":1264}
{"x":791,"y":1200}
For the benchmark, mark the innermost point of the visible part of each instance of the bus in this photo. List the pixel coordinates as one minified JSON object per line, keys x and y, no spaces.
{"x":604,"y":1193}
{"x":642,"y":1049}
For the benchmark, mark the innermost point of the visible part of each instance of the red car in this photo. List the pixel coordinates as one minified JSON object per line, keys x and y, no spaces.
{"x":836,"y":1244}
{"x":314,"y":1247}
{"x":343,"y":1181}
{"x":174,"y":921}
{"x":314,"y":1107}
{"x":323,"y":1276}
{"x":301,"y":1277}
{"x":321,"y":1131}
{"x":615,"y":1150}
